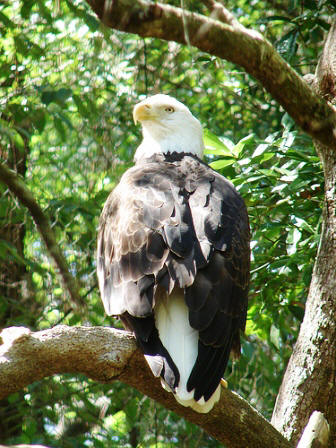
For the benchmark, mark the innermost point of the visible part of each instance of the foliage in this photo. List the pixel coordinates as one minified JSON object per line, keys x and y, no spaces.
{"x":67,"y":87}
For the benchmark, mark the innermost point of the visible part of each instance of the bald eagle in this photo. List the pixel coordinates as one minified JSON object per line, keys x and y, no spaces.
{"x":173,"y":255}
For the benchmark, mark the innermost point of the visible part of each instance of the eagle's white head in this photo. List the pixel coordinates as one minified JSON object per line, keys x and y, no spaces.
{"x":167,"y":126}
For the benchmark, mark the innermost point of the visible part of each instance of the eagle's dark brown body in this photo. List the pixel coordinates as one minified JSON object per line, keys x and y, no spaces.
{"x":174,"y":224}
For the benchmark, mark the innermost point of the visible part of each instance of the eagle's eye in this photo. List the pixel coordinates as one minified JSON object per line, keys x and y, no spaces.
{"x":169,"y":109}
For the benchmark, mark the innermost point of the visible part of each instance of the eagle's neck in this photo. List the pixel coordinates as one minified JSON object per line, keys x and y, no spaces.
{"x":163,"y":141}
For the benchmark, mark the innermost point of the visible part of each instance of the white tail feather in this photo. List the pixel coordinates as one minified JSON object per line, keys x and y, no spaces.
{"x":181,"y":341}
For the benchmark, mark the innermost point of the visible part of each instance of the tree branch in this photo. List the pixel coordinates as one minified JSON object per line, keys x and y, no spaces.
{"x":104,"y":355}
{"x":316,"y":433}
{"x":219,"y":12}
{"x":17,"y":186}
{"x":233,"y":42}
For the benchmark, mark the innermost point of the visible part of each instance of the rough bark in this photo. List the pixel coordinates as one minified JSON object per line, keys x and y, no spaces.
{"x":230,"y":41}
{"x":310,"y":380}
{"x":105,"y":354}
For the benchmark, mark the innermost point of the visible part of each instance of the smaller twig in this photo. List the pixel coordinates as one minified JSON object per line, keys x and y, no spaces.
{"x":316,"y":433}
{"x":219,"y":12}
{"x":17,"y":186}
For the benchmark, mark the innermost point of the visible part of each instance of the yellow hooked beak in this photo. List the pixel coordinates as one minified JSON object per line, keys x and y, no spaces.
{"x":142,"y":111}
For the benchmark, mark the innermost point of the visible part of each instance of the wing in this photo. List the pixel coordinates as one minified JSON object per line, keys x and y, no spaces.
{"x":217,"y":299}
{"x":146,"y":246}
{"x":177,"y":224}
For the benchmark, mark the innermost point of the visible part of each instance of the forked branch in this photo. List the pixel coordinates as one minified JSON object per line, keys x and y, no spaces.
{"x":18,"y":187}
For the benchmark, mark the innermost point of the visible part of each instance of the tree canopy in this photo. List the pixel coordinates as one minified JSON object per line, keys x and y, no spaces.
{"x":68,"y":84}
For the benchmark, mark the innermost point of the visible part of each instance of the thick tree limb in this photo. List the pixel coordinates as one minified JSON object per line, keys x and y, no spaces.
{"x":106,"y":354}
{"x":230,"y":41}
{"x":17,"y":186}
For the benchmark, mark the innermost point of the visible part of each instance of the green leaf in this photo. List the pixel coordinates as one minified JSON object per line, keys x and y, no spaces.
{"x":266,"y":156}
{"x":62,"y":115}
{"x":269,"y":141}
{"x":275,"y":336}
{"x":21,"y":44}
{"x":57,"y":96}
{"x":238,"y":148}
{"x":44,"y":12}
{"x":62,"y":94}
{"x":11,"y":252}
{"x":287,"y":122}
{"x":47,"y":97}
{"x":26,"y":8}
{"x":91,"y":22}
{"x":82,"y":109}
{"x":60,"y":128}
{"x":297,"y":311}
{"x":6,"y":21}
{"x":222,"y":163}
{"x":293,"y":237}
{"x":214,"y":145}
{"x":311,"y":4}
{"x":39,"y":119}
{"x":276,"y":18}
{"x":13,"y":135}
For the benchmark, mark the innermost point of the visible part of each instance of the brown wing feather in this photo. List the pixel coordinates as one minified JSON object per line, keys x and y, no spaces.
{"x":222,"y":316}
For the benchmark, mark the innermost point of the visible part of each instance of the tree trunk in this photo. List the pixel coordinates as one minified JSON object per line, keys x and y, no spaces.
{"x":309,"y":383}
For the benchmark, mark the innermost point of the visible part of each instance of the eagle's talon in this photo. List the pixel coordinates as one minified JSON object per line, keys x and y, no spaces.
{"x":224,"y":383}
